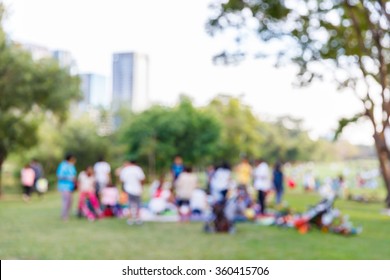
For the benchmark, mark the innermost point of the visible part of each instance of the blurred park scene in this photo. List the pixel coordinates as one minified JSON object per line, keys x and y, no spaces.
{"x":215,"y":155}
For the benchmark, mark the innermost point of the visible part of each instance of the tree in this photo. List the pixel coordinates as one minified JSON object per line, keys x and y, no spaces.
{"x":156,"y":135}
{"x":346,"y":40}
{"x":286,"y":140}
{"x":28,"y":88}
{"x":240,"y":133}
{"x":80,"y":138}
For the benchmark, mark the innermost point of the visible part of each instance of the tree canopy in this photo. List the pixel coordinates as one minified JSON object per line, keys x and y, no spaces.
{"x":29,"y":88}
{"x":155,"y":136}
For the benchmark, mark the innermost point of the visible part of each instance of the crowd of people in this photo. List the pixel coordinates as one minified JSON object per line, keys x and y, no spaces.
{"x":227,"y":187}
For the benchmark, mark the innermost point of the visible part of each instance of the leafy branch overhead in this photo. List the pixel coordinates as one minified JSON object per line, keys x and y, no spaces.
{"x":344,"y":122}
{"x":351,"y":37}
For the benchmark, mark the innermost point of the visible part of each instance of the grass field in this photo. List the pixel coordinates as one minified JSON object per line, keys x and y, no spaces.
{"x":34,"y":231}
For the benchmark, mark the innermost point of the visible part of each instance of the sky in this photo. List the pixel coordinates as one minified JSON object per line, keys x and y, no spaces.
{"x":172,"y":33}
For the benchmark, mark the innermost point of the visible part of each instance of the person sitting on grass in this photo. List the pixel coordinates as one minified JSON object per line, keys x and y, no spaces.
{"x":198,"y":203}
{"x":238,"y":206}
{"x":218,"y":221}
{"x":110,"y":201}
{"x":162,"y":199}
{"x":185,"y":184}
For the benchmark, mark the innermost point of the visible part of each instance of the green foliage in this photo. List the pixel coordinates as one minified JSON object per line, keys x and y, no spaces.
{"x":155,"y":136}
{"x":77,"y":136}
{"x":244,"y":134}
{"x":225,"y":129}
{"x":240,"y":135}
{"x":80,"y":138}
{"x":28,"y":88}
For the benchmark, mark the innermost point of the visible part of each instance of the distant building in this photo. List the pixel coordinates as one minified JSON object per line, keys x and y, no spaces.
{"x":65,"y":60}
{"x":130,"y":81}
{"x":95,"y":92}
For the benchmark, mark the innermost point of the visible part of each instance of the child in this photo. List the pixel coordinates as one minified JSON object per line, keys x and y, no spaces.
{"x":27,"y":176}
{"x":110,"y":201}
{"x":162,"y":198}
{"x":237,"y":207}
{"x":86,"y":184}
{"x":218,"y":222}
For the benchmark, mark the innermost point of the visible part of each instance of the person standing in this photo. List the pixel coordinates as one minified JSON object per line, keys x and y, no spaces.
{"x":220,"y":181}
{"x":133,"y":178}
{"x":102,"y":170}
{"x":244,"y":172}
{"x":278,"y":182}
{"x":27,"y":177}
{"x":38,"y":170}
{"x":262,"y":183}
{"x":66,"y":176}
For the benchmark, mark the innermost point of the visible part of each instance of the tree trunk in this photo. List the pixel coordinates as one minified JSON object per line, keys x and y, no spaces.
{"x":384,"y":161}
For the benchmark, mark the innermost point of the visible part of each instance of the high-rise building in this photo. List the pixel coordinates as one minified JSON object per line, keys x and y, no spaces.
{"x":130,"y":81}
{"x":65,"y":60}
{"x":94,"y":89}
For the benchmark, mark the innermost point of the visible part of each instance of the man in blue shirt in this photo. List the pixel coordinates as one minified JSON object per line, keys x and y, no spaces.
{"x":66,"y":175}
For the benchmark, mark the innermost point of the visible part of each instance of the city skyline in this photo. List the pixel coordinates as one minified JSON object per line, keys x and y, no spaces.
{"x":181,"y":54}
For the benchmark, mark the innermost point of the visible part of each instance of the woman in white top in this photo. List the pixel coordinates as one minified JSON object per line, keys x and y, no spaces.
{"x":220,"y":181}
{"x":102,"y":172}
{"x":185,"y":185}
{"x":262,"y":182}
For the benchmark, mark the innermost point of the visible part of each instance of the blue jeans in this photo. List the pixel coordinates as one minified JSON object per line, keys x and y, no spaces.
{"x":279,"y":194}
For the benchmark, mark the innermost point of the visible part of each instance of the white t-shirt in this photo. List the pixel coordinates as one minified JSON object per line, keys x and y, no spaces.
{"x":132,"y":177}
{"x":102,"y":172}
{"x":110,"y":196}
{"x":198,"y":200}
{"x":220,"y":180}
{"x":261,"y":176}
{"x":86,"y":183}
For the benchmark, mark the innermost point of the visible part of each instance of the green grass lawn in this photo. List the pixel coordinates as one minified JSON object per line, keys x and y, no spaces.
{"x":34,"y":231}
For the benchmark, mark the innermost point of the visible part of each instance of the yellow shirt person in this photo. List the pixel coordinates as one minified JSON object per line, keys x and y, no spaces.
{"x":244,"y":172}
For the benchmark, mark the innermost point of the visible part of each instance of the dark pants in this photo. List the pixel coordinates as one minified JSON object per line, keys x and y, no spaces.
{"x":181,"y":202}
{"x":223,"y":194}
{"x":261,"y":200}
{"x":27,"y":190}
